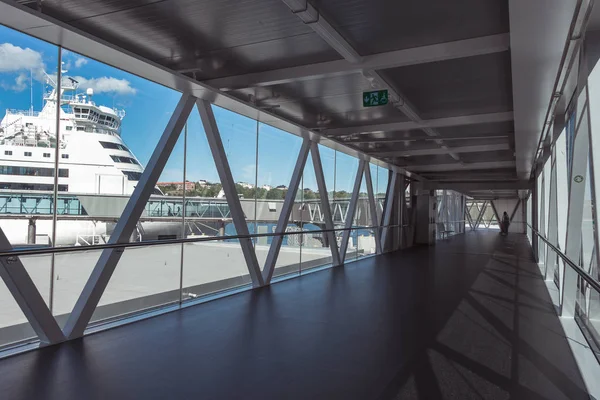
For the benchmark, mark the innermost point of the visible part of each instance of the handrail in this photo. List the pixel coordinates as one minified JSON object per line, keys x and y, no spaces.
{"x":590,"y":280}
{"x":70,"y":249}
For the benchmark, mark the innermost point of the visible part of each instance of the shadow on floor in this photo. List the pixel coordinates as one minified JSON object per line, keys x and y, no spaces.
{"x":470,"y":318}
{"x":502,"y":340}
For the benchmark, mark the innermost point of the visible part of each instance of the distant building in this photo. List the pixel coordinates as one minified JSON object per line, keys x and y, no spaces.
{"x":202,"y":183}
{"x":281,"y":187}
{"x":267,"y":187}
{"x":246,"y":185}
{"x":178,"y":185}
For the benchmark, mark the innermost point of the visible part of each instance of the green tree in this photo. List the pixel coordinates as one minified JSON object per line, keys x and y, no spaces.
{"x":275,"y":194}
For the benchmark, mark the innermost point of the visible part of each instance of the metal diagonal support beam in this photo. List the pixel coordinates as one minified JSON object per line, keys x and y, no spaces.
{"x":578,"y":181}
{"x":496,"y":212}
{"x":351,"y":209}
{"x":325,"y":208}
{"x":373,"y":208}
{"x":286,"y":210}
{"x":392,"y":59}
{"x":237,"y":214}
{"x":514,"y":211}
{"x":468,"y":215}
{"x":100,"y":276}
{"x":480,"y":215}
{"x":27,"y":296}
{"x":389,"y":204}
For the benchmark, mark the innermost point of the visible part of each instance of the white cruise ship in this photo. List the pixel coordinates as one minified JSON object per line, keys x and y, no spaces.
{"x":93,"y":159}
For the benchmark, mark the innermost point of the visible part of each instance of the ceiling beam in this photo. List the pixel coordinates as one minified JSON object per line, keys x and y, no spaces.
{"x":392,"y":59}
{"x":399,"y":139}
{"x":478,"y":186}
{"x":460,"y":166}
{"x":319,"y":23}
{"x":51,"y":30}
{"x":442,"y":150}
{"x":431,"y":123}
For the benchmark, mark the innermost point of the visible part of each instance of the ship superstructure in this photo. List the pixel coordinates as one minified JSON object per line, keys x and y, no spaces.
{"x":92,"y":155}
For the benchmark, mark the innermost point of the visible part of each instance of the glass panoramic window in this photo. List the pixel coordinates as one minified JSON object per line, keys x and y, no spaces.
{"x":26,"y":64}
{"x":113,"y":145}
{"x":32,"y":171}
{"x":108,"y":183}
{"x":132,"y":175}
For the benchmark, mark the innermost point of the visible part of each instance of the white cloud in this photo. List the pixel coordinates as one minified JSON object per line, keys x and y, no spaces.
{"x":106,"y":84}
{"x":23,"y":60}
{"x":15,"y":58}
{"x":80,"y":62}
{"x":21,"y":83}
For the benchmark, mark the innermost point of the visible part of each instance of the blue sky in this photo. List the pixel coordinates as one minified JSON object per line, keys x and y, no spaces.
{"x":148,"y":107}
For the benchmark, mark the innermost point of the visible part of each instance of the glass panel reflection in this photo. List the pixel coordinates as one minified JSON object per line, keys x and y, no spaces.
{"x":145,"y":277}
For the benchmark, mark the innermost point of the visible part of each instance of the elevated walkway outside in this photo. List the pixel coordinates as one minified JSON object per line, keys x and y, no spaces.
{"x":468,"y":318}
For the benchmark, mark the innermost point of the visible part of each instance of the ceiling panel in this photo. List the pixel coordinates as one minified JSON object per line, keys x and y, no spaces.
{"x":221,"y":37}
{"x":379,"y":26}
{"x":466,"y":86}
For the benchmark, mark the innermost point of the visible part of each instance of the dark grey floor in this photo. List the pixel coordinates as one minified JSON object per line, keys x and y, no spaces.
{"x":469,"y":318}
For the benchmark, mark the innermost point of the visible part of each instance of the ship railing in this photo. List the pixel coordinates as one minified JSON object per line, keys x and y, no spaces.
{"x":25,"y":113}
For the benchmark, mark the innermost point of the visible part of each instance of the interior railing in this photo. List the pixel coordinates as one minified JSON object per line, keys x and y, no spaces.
{"x":587,"y":306}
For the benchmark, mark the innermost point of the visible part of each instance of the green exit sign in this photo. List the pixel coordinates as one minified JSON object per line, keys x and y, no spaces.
{"x":375,"y":98}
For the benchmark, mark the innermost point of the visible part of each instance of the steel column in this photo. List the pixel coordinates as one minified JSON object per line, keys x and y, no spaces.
{"x":106,"y":264}
{"x":237,"y":214}
{"x":352,"y":209}
{"x":535,"y":222}
{"x":387,"y":212}
{"x":578,"y":179}
{"x":552,"y":228}
{"x":373,"y":209}
{"x":286,"y":210}
{"x":316,"y":157}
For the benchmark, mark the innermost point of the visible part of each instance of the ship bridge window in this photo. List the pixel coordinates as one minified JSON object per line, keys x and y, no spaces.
{"x":64,"y":156}
{"x":46,"y":155}
{"x":27,"y":154}
{"x":32,"y":171}
{"x":69,"y":128}
{"x":80,"y":128}
{"x":34,"y":186}
{"x":113,"y":145}
{"x":126,"y":160}
{"x":132,"y":175}
{"x":8,"y":152}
